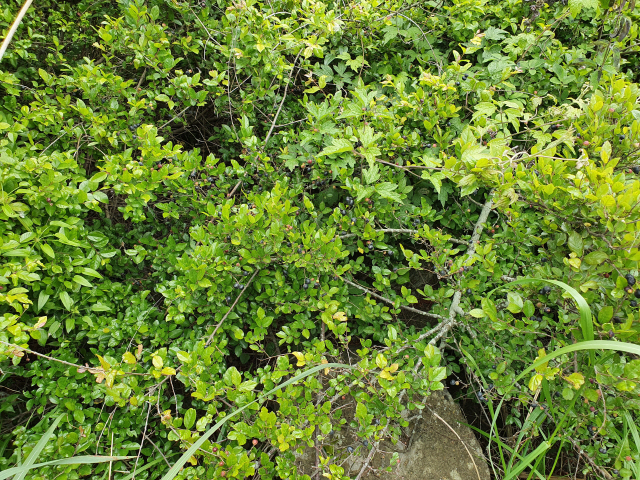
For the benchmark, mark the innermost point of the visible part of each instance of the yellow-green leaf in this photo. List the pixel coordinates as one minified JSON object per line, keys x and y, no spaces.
{"x":575,"y":379}
{"x":157,"y":361}
{"x":128,"y":357}
{"x":300,"y":357}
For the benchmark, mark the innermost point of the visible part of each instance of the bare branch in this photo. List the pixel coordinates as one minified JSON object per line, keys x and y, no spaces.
{"x":210,"y":339}
{"x":81,"y":368}
{"x":384,"y":299}
{"x":404,"y":230}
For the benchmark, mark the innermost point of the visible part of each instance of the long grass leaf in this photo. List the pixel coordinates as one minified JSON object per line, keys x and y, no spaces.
{"x":589,"y":345}
{"x":504,"y":445}
{"x":82,"y":460}
{"x":14,"y":27}
{"x":586,"y":321}
{"x":142,"y":469}
{"x":31,"y":459}
{"x":171,"y":474}
{"x":636,"y":438}
{"x":526,"y":461}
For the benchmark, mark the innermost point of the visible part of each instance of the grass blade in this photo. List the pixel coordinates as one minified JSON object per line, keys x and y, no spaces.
{"x":589,"y":345}
{"x":14,"y":27}
{"x":142,"y":469}
{"x":171,"y":474}
{"x":504,"y":445}
{"x":586,"y":321}
{"x":636,"y":438}
{"x":31,"y":459}
{"x":86,"y":459}
{"x":526,"y":461}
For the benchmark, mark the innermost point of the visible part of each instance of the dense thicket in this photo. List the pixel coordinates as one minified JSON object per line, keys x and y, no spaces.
{"x":201,"y":200}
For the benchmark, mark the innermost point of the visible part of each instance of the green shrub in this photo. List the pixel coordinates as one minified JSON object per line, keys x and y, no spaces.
{"x":201,"y":201}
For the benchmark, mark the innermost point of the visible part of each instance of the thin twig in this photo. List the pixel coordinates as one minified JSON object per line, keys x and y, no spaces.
{"x":477,"y":231}
{"x":157,"y":448}
{"x":144,"y":434}
{"x":81,"y":368}
{"x":403,"y":230}
{"x":210,"y":339}
{"x":59,"y":137}
{"x":284,"y":97}
{"x":177,"y":116}
{"x":111,"y":462}
{"x":234,"y":189}
{"x":384,"y":299}
{"x":141,"y":78}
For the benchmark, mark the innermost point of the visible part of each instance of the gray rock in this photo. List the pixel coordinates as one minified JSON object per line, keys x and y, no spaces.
{"x":427,"y":450}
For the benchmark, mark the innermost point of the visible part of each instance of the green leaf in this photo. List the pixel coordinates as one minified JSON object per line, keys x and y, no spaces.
{"x":44,"y":75}
{"x":477,"y":313}
{"x":567,"y":393}
{"x":175,"y":470}
{"x":78,"y":415}
{"x":82,"y":281}
{"x":42,"y":299}
{"x":529,"y":309}
{"x":596,"y":258}
{"x":184,"y":357}
{"x":386,"y":190}
{"x":339,"y":145}
{"x":232,"y":376}
{"x":247,"y":386}
{"x":437,"y":373}
{"x":575,"y":243}
{"x":66,"y":300}
{"x":100,"y":307}
{"x":605,"y":314}
{"x":489,"y":308}
{"x":91,"y":272}
{"x":515,"y":302}
{"x":48,"y":250}
{"x":372,"y":174}
{"x":576,"y":6}
{"x":189,"y":418}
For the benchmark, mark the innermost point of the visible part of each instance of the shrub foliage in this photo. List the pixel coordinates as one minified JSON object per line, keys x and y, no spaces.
{"x":201,"y":200}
